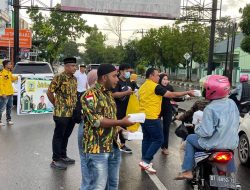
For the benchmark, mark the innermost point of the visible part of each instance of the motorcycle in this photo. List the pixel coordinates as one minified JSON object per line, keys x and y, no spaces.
{"x":212,"y":171}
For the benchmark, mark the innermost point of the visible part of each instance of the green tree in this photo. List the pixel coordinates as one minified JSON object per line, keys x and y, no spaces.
{"x":196,"y":39}
{"x":223,"y":28}
{"x":149,"y":47}
{"x":114,"y":55}
{"x":132,"y":53}
{"x":50,"y":33}
{"x":171,"y":46}
{"x":70,"y":48}
{"x":245,"y":27}
{"x":95,"y":47}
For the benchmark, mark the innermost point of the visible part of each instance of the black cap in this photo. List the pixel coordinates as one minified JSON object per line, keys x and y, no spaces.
{"x":82,"y":65}
{"x":104,"y":69}
{"x":69,"y":60}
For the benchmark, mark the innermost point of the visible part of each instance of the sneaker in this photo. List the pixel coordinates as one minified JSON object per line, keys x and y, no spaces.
{"x":124,"y":148}
{"x":10,"y":123}
{"x":147,"y":167}
{"x":68,"y":160}
{"x":1,"y":124}
{"x":58,"y":165}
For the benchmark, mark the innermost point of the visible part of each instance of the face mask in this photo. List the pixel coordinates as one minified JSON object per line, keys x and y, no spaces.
{"x":127,"y":75}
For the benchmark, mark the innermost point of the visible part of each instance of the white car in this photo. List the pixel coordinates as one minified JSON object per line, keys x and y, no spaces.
{"x":29,"y":68}
{"x":244,"y":135}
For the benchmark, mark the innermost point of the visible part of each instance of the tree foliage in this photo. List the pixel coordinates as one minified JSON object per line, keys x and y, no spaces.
{"x":131,"y":53}
{"x":95,"y":47}
{"x":223,"y":28}
{"x":114,"y":55}
{"x":196,"y":41}
{"x":167,"y":45}
{"x":245,"y":27}
{"x":70,"y":48}
{"x":51,"y":33}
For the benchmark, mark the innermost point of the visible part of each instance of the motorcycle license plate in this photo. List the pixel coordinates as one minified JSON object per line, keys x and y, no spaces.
{"x":222,"y":181}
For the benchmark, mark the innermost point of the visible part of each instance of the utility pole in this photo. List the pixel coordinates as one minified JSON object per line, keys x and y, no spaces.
{"x":228,"y":38}
{"x":142,"y":32}
{"x":191,"y":61}
{"x":212,"y":35}
{"x":231,"y":63}
{"x":16,"y":31}
{"x":187,"y":65}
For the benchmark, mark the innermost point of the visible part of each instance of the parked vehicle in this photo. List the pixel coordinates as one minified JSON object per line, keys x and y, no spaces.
{"x":92,"y":66}
{"x":31,"y":68}
{"x":244,"y":135}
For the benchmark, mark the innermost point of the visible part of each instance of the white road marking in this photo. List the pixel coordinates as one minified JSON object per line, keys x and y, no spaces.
{"x":157,"y":182}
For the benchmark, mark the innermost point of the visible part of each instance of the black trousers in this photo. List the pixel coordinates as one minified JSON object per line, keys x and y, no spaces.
{"x":167,"y":119}
{"x":63,"y":129}
{"x":79,"y":95}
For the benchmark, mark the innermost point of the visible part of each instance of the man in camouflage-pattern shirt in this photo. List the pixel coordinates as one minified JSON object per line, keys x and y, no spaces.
{"x":64,"y":86}
{"x":101,"y":156}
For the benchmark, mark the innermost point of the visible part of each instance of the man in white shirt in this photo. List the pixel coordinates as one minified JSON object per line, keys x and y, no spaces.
{"x":82,"y":82}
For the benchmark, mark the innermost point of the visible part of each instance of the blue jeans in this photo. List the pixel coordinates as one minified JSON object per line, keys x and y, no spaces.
{"x":192,"y":146}
{"x":152,"y":138}
{"x":101,"y":171}
{"x":7,"y":103}
{"x":80,"y":147}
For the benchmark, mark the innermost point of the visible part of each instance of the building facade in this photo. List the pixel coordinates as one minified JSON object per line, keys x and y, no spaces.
{"x":241,"y":59}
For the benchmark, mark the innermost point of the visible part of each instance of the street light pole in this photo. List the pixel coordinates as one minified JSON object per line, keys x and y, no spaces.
{"x":212,"y":35}
{"x":16,"y":31}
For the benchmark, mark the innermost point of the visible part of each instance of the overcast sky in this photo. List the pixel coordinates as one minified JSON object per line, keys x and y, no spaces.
{"x":131,"y":25}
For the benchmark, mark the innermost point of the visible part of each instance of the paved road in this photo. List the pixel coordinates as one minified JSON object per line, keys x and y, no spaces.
{"x":26,"y":154}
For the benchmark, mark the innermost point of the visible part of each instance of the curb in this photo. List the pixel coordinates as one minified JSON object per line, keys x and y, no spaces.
{"x":186,"y":84}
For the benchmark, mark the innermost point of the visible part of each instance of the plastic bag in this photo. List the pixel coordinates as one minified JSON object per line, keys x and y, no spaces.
{"x":133,"y":107}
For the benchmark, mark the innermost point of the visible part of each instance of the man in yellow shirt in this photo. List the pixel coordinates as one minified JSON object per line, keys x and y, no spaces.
{"x":6,"y":91}
{"x":150,"y":99}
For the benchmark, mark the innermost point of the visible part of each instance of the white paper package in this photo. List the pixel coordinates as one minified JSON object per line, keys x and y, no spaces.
{"x":133,"y":136}
{"x":137,"y":117}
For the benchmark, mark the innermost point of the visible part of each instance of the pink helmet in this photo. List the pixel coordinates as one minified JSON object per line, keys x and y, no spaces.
{"x":244,"y":78}
{"x":216,"y":87}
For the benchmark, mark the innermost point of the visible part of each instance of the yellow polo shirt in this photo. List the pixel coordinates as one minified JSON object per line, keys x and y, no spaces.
{"x":6,"y":79}
{"x":149,"y":101}
{"x":1,"y":83}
